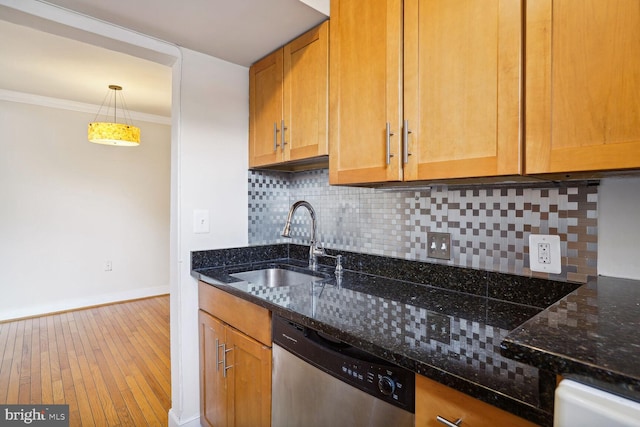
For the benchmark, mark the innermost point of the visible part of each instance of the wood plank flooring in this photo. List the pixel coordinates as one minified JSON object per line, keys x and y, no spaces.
{"x":110,"y":364}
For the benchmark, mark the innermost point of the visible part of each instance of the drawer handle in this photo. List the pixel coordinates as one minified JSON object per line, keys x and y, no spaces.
{"x":447,"y":422}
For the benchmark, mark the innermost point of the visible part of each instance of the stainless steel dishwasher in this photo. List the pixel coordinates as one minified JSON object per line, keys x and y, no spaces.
{"x":319,"y":381}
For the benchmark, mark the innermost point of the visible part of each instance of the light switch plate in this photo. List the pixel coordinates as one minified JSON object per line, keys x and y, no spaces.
{"x":544,"y":253}
{"x":438,"y":245}
{"x":200,"y":221}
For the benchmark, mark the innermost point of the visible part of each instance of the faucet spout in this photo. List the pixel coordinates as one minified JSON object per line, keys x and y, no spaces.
{"x":314,"y":250}
{"x":286,"y":232}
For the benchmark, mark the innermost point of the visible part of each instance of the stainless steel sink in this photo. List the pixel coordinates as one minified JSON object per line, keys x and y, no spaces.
{"x":276,"y":277}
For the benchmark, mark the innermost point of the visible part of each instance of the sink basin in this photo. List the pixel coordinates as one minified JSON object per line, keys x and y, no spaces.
{"x":276,"y":277}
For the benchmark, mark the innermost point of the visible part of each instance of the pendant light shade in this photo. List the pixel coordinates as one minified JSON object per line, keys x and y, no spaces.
{"x":114,"y":133}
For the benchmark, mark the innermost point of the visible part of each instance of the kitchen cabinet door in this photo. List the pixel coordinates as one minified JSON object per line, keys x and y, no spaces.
{"x":462,"y":88}
{"x":365,"y":78}
{"x":306,"y":95}
{"x":582,"y":85}
{"x":437,"y":400}
{"x":265,"y":110}
{"x":213,"y":391}
{"x":248,"y":381}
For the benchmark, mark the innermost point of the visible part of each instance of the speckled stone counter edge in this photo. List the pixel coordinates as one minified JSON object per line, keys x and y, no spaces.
{"x":590,"y":335}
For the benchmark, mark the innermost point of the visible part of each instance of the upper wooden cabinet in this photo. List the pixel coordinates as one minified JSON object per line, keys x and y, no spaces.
{"x":582,"y":86}
{"x":424,"y":90}
{"x":365,"y":91}
{"x":265,"y":110}
{"x":288,"y":101}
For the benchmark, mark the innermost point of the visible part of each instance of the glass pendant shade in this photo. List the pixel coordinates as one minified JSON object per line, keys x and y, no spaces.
{"x":114,"y":133}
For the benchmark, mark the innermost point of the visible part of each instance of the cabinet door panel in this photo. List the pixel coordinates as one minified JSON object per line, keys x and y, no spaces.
{"x":365,"y":80}
{"x":582,"y":85}
{"x":462,"y":77}
{"x":265,"y":105}
{"x":306,"y":89}
{"x":213,"y":395}
{"x":249,"y":381}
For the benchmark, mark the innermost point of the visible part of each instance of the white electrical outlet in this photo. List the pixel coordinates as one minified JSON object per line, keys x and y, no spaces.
{"x":544,"y":253}
{"x":544,"y":249}
{"x":108,"y":266}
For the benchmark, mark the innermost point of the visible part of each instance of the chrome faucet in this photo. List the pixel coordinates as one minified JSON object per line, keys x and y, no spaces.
{"x":314,"y":250}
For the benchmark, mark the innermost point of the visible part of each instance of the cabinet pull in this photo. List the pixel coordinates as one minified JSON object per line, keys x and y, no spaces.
{"x":405,"y":140}
{"x":282,"y":141}
{"x":389,"y":135}
{"x":218,"y":362}
{"x":224,"y":360}
{"x":447,"y":422}
{"x":275,"y":136}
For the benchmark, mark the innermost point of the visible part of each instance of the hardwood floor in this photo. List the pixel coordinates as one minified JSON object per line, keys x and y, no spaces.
{"x":110,"y":364}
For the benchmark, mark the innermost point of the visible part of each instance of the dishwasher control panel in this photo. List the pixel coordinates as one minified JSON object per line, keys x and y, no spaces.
{"x":379,"y":379}
{"x":369,"y":373}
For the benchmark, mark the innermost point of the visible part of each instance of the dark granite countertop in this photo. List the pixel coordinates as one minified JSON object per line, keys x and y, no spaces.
{"x":591,"y":334}
{"x":443,"y":322}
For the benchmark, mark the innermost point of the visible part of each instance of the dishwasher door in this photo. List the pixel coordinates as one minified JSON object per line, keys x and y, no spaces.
{"x":304,"y":395}
{"x":578,"y":405}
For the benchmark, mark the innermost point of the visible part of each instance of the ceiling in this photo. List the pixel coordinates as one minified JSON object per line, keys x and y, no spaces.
{"x":39,"y":62}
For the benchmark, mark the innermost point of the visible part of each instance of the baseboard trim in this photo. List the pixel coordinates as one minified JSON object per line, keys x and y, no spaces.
{"x":174,"y":421}
{"x":79,"y":303}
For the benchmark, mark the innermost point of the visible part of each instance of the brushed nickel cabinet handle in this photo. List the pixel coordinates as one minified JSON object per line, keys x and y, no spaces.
{"x":389,"y":134}
{"x":447,"y":422}
{"x":282,"y":141}
{"x":275,"y":136}
{"x":218,"y":362}
{"x":405,"y":140}
{"x":224,"y":360}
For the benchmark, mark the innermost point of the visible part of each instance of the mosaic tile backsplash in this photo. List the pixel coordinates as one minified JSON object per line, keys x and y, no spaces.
{"x":489,"y":226}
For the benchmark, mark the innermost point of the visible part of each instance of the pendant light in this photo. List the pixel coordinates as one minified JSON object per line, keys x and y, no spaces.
{"x":114,"y":133}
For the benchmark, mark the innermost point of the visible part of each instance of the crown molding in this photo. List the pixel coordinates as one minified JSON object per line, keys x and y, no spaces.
{"x":65,"y":104}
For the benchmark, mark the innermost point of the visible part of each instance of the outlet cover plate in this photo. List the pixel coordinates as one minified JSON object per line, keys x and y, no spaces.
{"x":544,"y":253}
{"x":438,"y":245}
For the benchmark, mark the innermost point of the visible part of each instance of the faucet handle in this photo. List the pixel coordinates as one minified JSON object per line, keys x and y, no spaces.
{"x":338,"y":259}
{"x":338,"y":264}
{"x":318,"y":250}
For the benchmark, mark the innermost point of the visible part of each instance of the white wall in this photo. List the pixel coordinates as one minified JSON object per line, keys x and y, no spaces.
{"x":210,"y":162}
{"x":619,"y":228}
{"x":209,"y":134}
{"x":67,"y":206}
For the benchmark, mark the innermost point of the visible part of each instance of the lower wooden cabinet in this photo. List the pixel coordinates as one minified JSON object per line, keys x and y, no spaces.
{"x":435,"y":400}
{"x":235,"y":369}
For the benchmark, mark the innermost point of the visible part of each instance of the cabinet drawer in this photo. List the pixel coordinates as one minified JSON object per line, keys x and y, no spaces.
{"x":434,"y":399}
{"x":243,"y":315}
